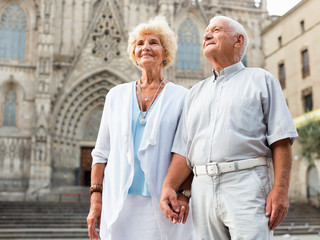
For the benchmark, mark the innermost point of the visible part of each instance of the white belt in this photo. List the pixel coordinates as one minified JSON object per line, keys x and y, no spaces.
{"x":214,"y":168}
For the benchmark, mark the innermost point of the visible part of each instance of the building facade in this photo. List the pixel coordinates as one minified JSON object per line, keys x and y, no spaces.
{"x":293,"y":55}
{"x":59,"y":59}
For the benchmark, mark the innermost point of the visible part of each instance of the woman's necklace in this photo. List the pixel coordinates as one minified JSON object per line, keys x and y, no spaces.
{"x":143,"y":120}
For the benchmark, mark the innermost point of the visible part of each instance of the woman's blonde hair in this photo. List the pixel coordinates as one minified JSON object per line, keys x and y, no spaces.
{"x":157,"y":26}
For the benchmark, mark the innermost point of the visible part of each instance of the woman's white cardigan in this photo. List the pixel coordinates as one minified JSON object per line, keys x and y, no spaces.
{"x":115,"y":146}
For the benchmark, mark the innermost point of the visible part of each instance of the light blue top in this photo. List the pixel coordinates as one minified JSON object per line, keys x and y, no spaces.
{"x":139,"y":184}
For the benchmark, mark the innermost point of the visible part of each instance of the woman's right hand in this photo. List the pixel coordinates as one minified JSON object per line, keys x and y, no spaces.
{"x":94,"y":215}
{"x":183,"y":202}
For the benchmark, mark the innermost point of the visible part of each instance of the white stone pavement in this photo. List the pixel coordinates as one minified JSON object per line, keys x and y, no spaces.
{"x":297,"y":237}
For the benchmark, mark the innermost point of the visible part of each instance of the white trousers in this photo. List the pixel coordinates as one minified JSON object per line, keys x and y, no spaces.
{"x":137,"y":220}
{"x":232,"y":205}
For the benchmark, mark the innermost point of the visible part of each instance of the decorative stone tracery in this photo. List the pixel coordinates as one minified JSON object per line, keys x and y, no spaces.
{"x":106,"y":35}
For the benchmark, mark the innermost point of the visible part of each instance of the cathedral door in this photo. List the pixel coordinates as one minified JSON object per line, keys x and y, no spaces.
{"x":86,"y":161}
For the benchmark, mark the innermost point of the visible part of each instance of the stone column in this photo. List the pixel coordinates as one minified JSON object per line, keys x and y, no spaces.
{"x":40,"y":165}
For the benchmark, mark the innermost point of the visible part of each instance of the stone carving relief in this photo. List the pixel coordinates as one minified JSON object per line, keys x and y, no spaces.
{"x":106,"y":35}
{"x":44,"y":65}
{"x":65,"y":155}
{"x":47,"y":12}
{"x":40,"y":152}
{"x":43,"y":85}
{"x":14,"y":162}
{"x":41,"y":134}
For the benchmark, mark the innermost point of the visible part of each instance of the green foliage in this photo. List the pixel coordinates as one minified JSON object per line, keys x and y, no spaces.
{"x":309,"y":139}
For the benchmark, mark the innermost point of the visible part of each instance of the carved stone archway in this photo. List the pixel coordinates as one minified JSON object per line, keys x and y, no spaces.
{"x":70,"y":118}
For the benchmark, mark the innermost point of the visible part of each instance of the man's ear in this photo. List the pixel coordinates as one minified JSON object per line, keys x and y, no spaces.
{"x":239,"y":41}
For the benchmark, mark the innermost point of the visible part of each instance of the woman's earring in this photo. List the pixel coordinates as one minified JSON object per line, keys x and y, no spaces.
{"x":164,"y":62}
{"x":137,"y":64}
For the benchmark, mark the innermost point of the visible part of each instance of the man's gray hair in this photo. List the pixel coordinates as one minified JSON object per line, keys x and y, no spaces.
{"x":236,"y":28}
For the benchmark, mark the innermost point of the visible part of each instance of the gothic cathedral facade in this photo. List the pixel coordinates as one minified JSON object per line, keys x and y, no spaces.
{"x":59,"y":59}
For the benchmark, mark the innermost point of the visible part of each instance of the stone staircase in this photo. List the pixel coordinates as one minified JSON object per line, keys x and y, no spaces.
{"x":67,"y":220}
{"x":301,"y":219}
{"x":43,"y":220}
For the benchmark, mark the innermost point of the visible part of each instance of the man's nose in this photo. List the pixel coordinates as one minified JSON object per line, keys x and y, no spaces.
{"x":207,"y":36}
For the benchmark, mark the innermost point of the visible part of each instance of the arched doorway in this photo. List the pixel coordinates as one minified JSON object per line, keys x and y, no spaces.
{"x":313,"y":185}
{"x":85,"y":166}
{"x":90,"y":132}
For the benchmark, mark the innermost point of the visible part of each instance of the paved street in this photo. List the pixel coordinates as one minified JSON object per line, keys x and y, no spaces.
{"x":297,"y":237}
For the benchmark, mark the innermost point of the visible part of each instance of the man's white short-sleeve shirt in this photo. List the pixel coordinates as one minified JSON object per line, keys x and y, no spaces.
{"x":234,"y":116}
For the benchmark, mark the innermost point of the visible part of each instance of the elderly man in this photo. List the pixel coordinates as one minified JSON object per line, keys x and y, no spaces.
{"x":231,"y":125}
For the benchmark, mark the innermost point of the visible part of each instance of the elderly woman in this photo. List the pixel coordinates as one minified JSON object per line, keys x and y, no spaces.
{"x":133,"y":148}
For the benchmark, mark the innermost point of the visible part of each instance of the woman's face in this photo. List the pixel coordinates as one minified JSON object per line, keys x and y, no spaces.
{"x":149,"y":51}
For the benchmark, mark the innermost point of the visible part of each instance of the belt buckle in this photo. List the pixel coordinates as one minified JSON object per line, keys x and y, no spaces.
{"x":212,"y":169}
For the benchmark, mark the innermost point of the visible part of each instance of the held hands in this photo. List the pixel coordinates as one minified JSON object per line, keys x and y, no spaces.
{"x":174,"y":206}
{"x":94,"y":215}
{"x":277,"y":206}
{"x":183,"y":202}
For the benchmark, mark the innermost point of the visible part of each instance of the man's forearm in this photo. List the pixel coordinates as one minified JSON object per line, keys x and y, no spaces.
{"x":282,"y":160}
{"x":178,"y":172}
{"x":187,"y":183}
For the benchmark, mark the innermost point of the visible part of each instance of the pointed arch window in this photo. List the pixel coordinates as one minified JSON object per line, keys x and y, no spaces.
{"x":10,"y":105}
{"x":188,"y":47}
{"x":13,"y":33}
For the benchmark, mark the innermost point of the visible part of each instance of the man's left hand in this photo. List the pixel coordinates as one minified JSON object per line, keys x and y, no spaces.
{"x":277,"y":206}
{"x":183,"y":202}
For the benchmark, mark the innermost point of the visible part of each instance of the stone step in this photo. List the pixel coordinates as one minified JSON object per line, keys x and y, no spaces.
{"x":34,"y":210}
{"x":43,"y":233}
{"x":48,"y":220}
{"x":295,"y":222}
{"x":299,"y":230}
{"x":302,"y":218}
{"x":31,"y":209}
{"x":6,"y":220}
{"x":46,"y":236}
{"x":57,"y":205}
{"x":41,"y":214}
{"x":43,"y":225}
{"x":43,"y":220}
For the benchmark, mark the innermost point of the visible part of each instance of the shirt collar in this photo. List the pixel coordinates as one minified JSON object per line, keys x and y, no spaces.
{"x":229,"y":71}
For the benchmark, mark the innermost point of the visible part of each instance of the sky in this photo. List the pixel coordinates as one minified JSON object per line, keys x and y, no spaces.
{"x":280,"y":7}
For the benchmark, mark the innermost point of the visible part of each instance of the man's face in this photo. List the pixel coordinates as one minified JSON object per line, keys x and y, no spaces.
{"x":218,"y":40}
